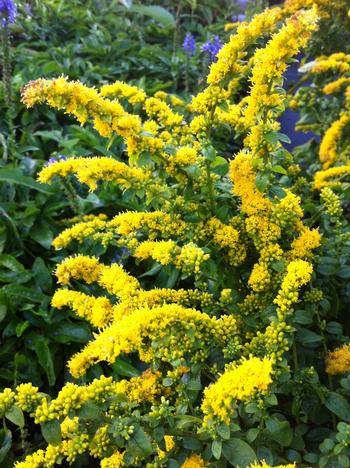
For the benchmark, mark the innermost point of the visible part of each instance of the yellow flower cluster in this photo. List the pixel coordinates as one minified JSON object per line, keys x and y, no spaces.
{"x":173,"y":330}
{"x":339,"y":62}
{"x":238,"y":383}
{"x":193,"y":461}
{"x":338,"y":361}
{"x":119,"y":89}
{"x":331,"y":177}
{"x":302,"y":246}
{"x":329,"y":144}
{"x":89,"y":171}
{"x":97,"y":310}
{"x":331,"y":202}
{"x":269,"y":66}
{"x":298,"y":274}
{"x":114,"y":461}
{"x":265,"y":465}
{"x":247,"y":33}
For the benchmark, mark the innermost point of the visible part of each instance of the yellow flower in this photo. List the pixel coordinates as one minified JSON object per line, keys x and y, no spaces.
{"x":193,"y":461}
{"x":338,"y":361}
{"x":326,"y":177}
{"x":329,"y":144}
{"x":239,"y":382}
{"x":114,"y":461}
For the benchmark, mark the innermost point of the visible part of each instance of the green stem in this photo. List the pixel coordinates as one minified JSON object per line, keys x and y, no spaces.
{"x":72,"y":196}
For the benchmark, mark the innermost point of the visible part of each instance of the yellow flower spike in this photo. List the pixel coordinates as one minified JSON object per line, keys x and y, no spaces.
{"x":270,"y":64}
{"x":265,"y":465}
{"x":331,"y":177}
{"x":243,"y":177}
{"x":128,"y":335}
{"x":228,"y":58}
{"x":335,"y":86}
{"x":119,"y":89}
{"x":329,"y":145}
{"x":161,"y":251}
{"x":81,"y":231}
{"x":239,"y":382}
{"x":97,"y":310}
{"x":90,"y":171}
{"x":79,"y":267}
{"x":308,"y":240}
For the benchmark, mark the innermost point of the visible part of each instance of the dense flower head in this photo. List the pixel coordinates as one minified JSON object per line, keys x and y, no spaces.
{"x":238,"y":383}
{"x":338,"y":361}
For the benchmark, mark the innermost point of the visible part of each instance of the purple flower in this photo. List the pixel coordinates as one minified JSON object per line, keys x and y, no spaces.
{"x":8,"y":11}
{"x":189,"y":44}
{"x":121,"y":257}
{"x":54,"y":160}
{"x":212,"y":48}
{"x":239,"y":17}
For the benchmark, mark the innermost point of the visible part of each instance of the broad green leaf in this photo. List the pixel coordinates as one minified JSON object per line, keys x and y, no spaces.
{"x":280,"y":431}
{"x":45,"y":358}
{"x":238,"y":453}
{"x":15,"y":415}
{"x":51,"y":431}
{"x":15,"y":176}
{"x":338,"y":405}
{"x":216,"y":448}
{"x":12,"y":271}
{"x":140,"y":443}
{"x":125,"y":369}
{"x":67,"y":332}
{"x":261,"y":182}
{"x":156,"y":12}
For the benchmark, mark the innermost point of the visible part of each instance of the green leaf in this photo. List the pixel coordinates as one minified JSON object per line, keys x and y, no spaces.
{"x":45,"y":358}
{"x":280,"y":431}
{"x":238,"y":453}
{"x":89,"y":410}
{"x":125,"y":369}
{"x":5,"y":443}
{"x":15,"y":415}
{"x":308,"y":337}
{"x":140,"y":443}
{"x":15,"y":176}
{"x":67,"y":332}
{"x":209,"y":152}
{"x":278,"y":169}
{"x":22,"y":292}
{"x":21,"y":328}
{"x":158,"y":13}
{"x":3,"y":312}
{"x":338,"y":405}
{"x":42,"y":234}
{"x":51,"y":431}
{"x":219,"y":166}
{"x":216,"y":448}
{"x":261,"y":182}
{"x":12,"y":271}
{"x":224,"y":431}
